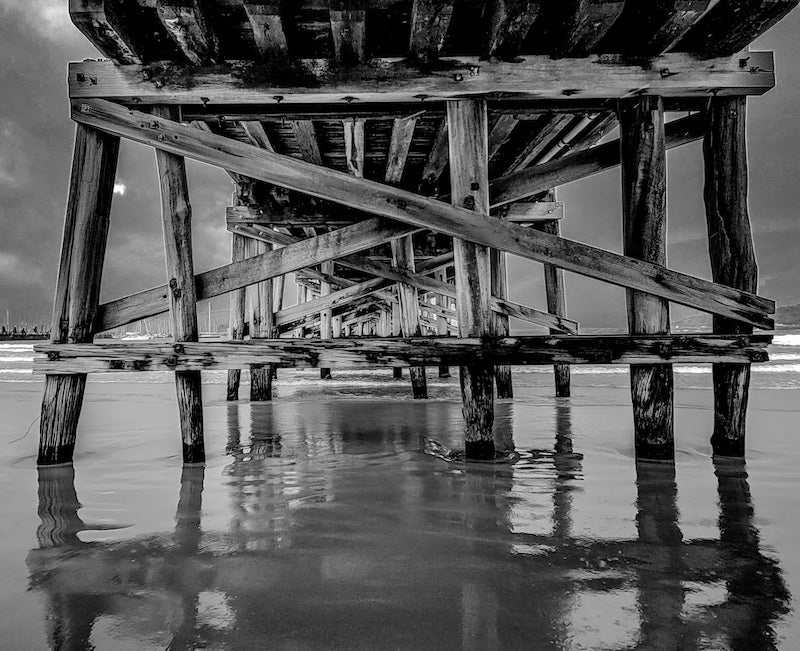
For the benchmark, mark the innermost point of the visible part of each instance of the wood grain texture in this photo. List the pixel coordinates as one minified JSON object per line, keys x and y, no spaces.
{"x":733,"y":259}
{"x":420,"y":351}
{"x":188,"y":25}
{"x":411,"y":208}
{"x":644,"y":216}
{"x":348,"y":20}
{"x":430,"y":20}
{"x":100,"y":22}
{"x":399,"y":146}
{"x":77,"y":294}
{"x":267,"y":28}
{"x":508,"y":24}
{"x":556,"y":296}
{"x":325,"y":315}
{"x":499,"y":288}
{"x":237,"y":307}
{"x":261,"y":318}
{"x":403,"y":258}
{"x":176,"y":214}
{"x":468,"y":129}
{"x":537,"y":78}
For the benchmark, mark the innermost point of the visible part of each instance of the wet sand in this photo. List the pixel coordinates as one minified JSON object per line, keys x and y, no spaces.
{"x":318,"y":523}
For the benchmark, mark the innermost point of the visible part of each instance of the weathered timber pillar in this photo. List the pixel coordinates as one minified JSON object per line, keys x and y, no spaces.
{"x":236,"y":318}
{"x":326,"y":316}
{"x":644,"y":214}
{"x":397,"y":330}
{"x":262,"y":324}
{"x":469,"y":180}
{"x":502,"y":374}
{"x":556,"y":304}
{"x":176,"y":213}
{"x":83,"y":246}
{"x":403,"y":258}
{"x":733,"y":258}
{"x":441,"y":321}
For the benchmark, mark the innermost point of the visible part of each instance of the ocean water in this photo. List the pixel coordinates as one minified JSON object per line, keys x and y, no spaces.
{"x":320,"y":522}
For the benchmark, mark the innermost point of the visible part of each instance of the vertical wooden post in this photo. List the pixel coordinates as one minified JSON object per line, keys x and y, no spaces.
{"x":502,"y":374}
{"x":397,"y":331}
{"x":262,"y":324}
{"x":469,"y":179}
{"x":236,"y":317}
{"x":403,"y":258}
{"x":644,"y":212}
{"x":556,"y":304}
{"x":326,"y":315}
{"x":176,"y":213}
{"x":94,"y":166}
{"x":441,"y":321}
{"x":733,"y":259}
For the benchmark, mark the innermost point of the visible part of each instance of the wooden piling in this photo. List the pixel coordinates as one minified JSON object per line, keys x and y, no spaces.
{"x":441,"y":321}
{"x":325,"y":317}
{"x":86,"y":222}
{"x":176,"y":213}
{"x":644,"y":212}
{"x":733,"y":260}
{"x":502,"y":373}
{"x":236,"y":318}
{"x":403,"y":258}
{"x":397,"y":330}
{"x":556,"y":304}
{"x":469,"y":179}
{"x":262,"y":323}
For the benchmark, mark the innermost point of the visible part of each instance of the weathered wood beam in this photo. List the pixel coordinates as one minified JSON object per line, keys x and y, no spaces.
{"x":438,"y":157}
{"x":540,"y":178}
{"x":644,"y":217}
{"x":325,"y":314}
{"x":733,"y":258}
{"x":348,"y":28}
{"x":256,"y":134}
{"x":399,"y":146}
{"x":500,"y":132}
{"x":468,"y":128}
{"x":396,"y":81}
{"x":430,"y":20}
{"x":188,"y":25}
{"x":262,"y":323}
{"x":354,"y":146}
{"x":574,"y":27}
{"x":551,"y":124}
{"x":499,"y":289}
{"x":100,"y":22}
{"x":555,"y":294}
{"x":224,"y":279}
{"x":306,"y":137}
{"x":176,"y":217}
{"x":732,"y":25}
{"x":236,"y":319}
{"x":94,"y":164}
{"x":421,"y":351}
{"x":531,"y":212}
{"x":508,"y":24}
{"x":267,"y":25}
{"x":411,"y":208}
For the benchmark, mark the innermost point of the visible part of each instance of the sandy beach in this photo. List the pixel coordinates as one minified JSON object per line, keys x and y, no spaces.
{"x":319,"y":523}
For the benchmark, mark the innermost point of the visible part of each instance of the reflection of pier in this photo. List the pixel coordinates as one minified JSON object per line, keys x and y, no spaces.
{"x":339,"y":530}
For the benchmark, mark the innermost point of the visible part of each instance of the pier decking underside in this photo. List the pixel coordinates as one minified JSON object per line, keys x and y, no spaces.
{"x":390,"y":155}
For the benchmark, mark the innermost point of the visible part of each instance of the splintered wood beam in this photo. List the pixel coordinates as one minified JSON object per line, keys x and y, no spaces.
{"x":430,"y":20}
{"x":101,"y":24}
{"x":187,"y":24}
{"x":256,"y":134}
{"x":306,"y":137}
{"x":348,"y":28}
{"x":509,"y":22}
{"x":573,"y":167}
{"x":267,"y":25}
{"x":399,"y":146}
{"x":423,"y":213}
{"x":732,"y":25}
{"x":354,"y":146}
{"x":536,"y":78}
{"x":419,"y":351}
{"x":221,"y":280}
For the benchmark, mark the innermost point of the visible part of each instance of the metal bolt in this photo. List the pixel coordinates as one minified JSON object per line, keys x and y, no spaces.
{"x":458,"y":77}
{"x":162,"y":137}
{"x":84,"y":108}
{"x":474,"y":186}
{"x":474,"y":70}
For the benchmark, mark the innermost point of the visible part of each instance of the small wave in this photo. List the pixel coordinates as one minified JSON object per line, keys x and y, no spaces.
{"x":786,"y":340}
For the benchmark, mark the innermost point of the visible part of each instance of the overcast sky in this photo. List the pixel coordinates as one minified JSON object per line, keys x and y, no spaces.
{"x":37,"y":40}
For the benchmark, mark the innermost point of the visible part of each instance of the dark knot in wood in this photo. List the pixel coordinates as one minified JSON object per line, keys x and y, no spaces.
{"x":171,"y":361}
{"x":176,"y":291}
{"x":53,"y":356}
{"x":469,"y":202}
{"x":179,"y":349}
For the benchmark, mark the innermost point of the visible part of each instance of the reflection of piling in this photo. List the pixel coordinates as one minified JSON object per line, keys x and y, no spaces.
{"x":58,"y":508}
{"x":190,"y":502}
{"x":568,"y":466}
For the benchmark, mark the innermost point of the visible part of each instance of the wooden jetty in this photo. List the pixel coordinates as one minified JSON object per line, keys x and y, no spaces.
{"x":390,"y":154}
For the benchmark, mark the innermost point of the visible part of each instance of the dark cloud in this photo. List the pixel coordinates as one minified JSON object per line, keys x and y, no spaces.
{"x":37,"y":39}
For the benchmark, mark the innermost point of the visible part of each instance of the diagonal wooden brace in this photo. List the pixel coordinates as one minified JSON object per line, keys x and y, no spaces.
{"x":426,"y":213}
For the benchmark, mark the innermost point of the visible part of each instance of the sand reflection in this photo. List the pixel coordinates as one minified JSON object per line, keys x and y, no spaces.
{"x":337,"y":529}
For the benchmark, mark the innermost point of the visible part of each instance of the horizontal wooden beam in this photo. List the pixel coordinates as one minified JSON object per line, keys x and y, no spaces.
{"x":397,"y":80}
{"x":236,"y":275}
{"x":573,"y":167}
{"x":416,"y":351}
{"x":413,"y":209}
